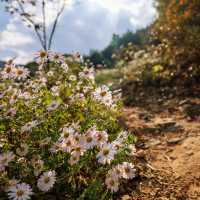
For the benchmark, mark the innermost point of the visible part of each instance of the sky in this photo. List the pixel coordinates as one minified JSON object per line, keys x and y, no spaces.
{"x":82,"y":27}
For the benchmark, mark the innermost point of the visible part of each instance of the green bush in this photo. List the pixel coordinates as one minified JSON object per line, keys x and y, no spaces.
{"x":59,"y":136}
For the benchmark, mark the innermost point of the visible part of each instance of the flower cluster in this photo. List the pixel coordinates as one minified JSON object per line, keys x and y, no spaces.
{"x":59,"y":132}
{"x":10,"y":71}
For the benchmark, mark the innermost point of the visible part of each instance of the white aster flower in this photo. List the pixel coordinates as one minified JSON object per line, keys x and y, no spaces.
{"x":115,"y":172}
{"x":5,"y":158}
{"x":101,"y":137}
{"x":74,"y":158}
{"x":68,"y":144}
{"x":8,"y":71}
{"x":22,"y":150}
{"x":21,"y":73}
{"x":53,"y":106}
{"x":65,"y":67}
{"x":38,"y":166}
{"x":11,"y":183}
{"x":127,"y":170}
{"x":50,"y":73}
{"x":20,"y":191}
{"x":106,"y":154}
{"x":28,"y":126}
{"x":103,"y":94}
{"x":67,"y":131}
{"x":112,"y":184}
{"x":42,"y":56}
{"x":56,"y":57}
{"x":88,"y":140}
{"x":46,"y":181}
{"x":55,"y":90}
{"x":87,"y":73}
{"x":72,"y":78}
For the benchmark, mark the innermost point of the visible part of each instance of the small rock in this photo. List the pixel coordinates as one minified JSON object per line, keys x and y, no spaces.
{"x":152,"y":142}
{"x":174,"y":141}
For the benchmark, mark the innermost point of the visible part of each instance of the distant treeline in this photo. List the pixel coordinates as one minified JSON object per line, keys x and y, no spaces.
{"x":104,"y":57}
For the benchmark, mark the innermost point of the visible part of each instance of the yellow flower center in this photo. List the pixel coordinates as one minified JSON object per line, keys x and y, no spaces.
{"x":112,"y":183}
{"x":127,"y":170}
{"x":46,"y":179}
{"x":99,"y":137}
{"x":103,"y":94}
{"x":19,"y":193}
{"x":106,"y":152}
{"x":43,"y":54}
{"x":8,"y":70}
{"x":20,"y":72}
{"x":66,"y":134}
{"x":68,"y":143}
{"x":56,"y":57}
{"x":89,"y":139}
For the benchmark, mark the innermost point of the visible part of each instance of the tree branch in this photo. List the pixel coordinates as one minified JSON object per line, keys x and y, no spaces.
{"x":55,"y":25}
{"x":32,"y":23}
{"x":44,"y":24}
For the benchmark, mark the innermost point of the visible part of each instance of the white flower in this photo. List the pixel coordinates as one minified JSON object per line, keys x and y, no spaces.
{"x":115,"y":172}
{"x":55,"y":90}
{"x":46,"y":181}
{"x":117,"y":144}
{"x":56,"y":57}
{"x":68,"y":144}
{"x":38,"y":165}
{"x":50,"y":73}
{"x":22,"y":150}
{"x":11,"y":112}
{"x":28,"y":126}
{"x":53,"y":106}
{"x":11,"y":183}
{"x":65,"y":67}
{"x":75,"y":157}
{"x":88,"y":140}
{"x":103,"y":94}
{"x":8,"y":71}
{"x":72,"y":78}
{"x":66,"y":132}
{"x":112,"y":184}
{"x":5,"y":158}
{"x":101,"y":137}
{"x":127,"y":170}
{"x":21,"y":73}
{"x":106,"y":154}
{"x":24,"y":95}
{"x":42,"y":56}
{"x":20,"y":191}
{"x":87,"y":73}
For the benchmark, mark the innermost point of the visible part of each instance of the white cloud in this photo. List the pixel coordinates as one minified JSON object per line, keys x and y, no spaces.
{"x":85,"y":26}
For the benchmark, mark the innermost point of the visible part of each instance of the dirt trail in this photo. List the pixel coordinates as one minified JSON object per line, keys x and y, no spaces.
{"x":168,"y":150}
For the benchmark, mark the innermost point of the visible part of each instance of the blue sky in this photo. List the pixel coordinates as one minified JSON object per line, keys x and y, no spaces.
{"x":86,"y":26}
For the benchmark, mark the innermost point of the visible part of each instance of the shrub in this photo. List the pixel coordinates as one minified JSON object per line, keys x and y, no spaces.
{"x":59,"y":135}
{"x":178,"y":27}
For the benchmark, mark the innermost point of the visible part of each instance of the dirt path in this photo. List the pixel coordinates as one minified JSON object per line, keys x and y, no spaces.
{"x":168,"y":151}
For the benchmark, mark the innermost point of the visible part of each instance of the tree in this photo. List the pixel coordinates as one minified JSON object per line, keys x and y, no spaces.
{"x":34,"y":14}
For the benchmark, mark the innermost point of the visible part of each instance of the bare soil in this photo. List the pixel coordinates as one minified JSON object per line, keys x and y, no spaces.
{"x":168,"y":150}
